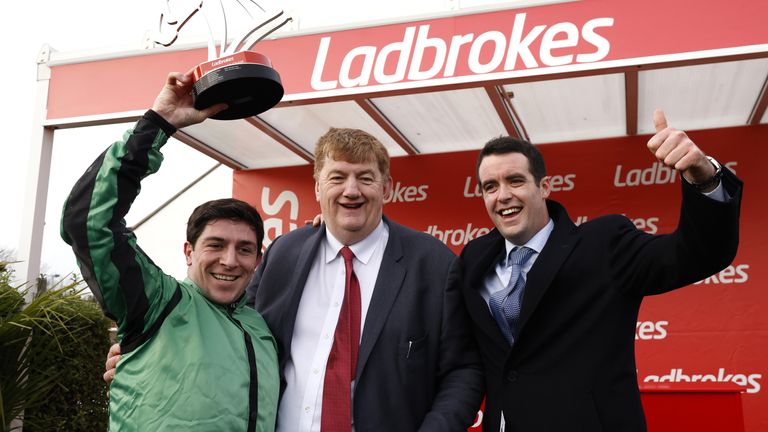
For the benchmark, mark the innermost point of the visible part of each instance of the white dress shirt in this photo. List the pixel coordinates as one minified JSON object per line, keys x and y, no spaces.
{"x":301,"y":405}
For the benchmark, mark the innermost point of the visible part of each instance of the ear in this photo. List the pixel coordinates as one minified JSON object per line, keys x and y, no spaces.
{"x":317,"y":191}
{"x":545,"y":187}
{"x":188,"y":253}
{"x":388,"y":189}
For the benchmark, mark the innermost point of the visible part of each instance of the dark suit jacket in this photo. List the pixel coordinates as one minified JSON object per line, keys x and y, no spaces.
{"x":572,"y":367}
{"x":439,"y":385}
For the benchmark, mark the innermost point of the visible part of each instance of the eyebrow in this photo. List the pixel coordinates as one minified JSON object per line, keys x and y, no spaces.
{"x":221,"y":239}
{"x":359,"y":173}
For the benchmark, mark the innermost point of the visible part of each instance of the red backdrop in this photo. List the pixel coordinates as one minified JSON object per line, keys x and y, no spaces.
{"x":713,"y":331}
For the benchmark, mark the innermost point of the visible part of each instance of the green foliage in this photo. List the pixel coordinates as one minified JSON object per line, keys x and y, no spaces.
{"x":58,"y":343}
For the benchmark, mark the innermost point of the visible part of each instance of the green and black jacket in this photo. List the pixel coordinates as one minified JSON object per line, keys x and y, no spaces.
{"x":187,"y":363}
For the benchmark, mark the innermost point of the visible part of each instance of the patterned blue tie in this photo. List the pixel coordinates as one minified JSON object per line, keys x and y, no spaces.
{"x":505,"y":304}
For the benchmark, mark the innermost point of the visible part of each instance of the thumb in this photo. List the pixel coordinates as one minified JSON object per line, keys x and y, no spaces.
{"x":659,"y":120}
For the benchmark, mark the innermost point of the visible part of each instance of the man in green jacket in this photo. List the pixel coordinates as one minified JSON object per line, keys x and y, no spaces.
{"x":193,"y":356}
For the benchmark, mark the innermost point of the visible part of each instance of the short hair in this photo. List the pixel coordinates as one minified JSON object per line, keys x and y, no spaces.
{"x":504,"y":144}
{"x":350,"y":145}
{"x":226,"y":208}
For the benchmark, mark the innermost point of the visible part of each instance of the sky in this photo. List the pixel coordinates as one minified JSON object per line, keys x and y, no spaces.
{"x":87,"y":26}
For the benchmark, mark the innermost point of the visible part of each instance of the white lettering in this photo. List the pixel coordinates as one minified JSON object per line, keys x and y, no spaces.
{"x":518,"y":45}
{"x":368,"y":58}
{"x":647,"y":224}
{"x":648,"y":330}
{"x":599,"y":42}
{"x":558,"y":183}
{"x":733,"y":274}
{"x":469,"y":192}
{"x":453,"y":52}
{"x":457,"y":237}
{"x":499,"y":42}
{"x":658,"y":173}
{"x":402,"y":50}
{"x":549,"y":42}
{"x":750,"y":381}
{"x":488,"y":52}
{"x":423,"y":42}
{"x":402,"y":193}
{"x":273,"y":227}
{"x":317,"y":71}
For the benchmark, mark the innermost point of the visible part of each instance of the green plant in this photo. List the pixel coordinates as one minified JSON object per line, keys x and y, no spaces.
{"x":52,"y":352}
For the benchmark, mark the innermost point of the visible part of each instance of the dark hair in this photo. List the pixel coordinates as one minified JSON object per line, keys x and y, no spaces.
{"x":353,"y":146}
{"x":226,"y":208}
{"x":504,"y":144}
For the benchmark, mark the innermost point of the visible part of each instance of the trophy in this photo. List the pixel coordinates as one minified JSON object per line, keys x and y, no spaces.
{"x":234,"y":75}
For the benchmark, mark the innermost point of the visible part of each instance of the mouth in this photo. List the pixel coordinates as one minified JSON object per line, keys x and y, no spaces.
{"x":223,"y":277}
{"x":512,"y":211}
{"x":351,"y":206}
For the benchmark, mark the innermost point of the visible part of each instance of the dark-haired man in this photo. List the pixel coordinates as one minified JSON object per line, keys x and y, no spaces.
{"x":554,"y":305}
{"x":194,"y":356}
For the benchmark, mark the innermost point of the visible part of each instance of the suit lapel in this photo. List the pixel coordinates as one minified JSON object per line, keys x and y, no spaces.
{"x":295,"y":287}
{"x":476,"y":270}
{"x":559,"y":245}
{"x":388,"y":283}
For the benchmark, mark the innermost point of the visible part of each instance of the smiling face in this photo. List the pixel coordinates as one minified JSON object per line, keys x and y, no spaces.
{"x":351,"y":197}
{"x":515,"y":202}
{"x":223,"y":259}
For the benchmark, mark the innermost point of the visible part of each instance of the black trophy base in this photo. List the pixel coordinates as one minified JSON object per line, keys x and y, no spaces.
{"x":248,"y":88}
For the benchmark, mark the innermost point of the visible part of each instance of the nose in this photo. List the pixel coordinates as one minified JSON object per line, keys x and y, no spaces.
{"x":351,"y":188}
{"x":228,"y":257}
{"x":505,"y":192}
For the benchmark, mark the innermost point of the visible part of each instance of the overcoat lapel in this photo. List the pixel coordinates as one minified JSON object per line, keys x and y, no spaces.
{"x":475,"y":274}
{"x":558,"y":247}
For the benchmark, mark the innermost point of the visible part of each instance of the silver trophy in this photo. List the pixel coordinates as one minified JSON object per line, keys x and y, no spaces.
{"x":234,"y":75}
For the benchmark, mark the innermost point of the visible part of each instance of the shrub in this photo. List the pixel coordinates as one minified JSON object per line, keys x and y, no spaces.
{"x":58,"y":342}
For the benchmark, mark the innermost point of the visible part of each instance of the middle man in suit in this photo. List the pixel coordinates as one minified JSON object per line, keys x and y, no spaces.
{"x":369,"y":334}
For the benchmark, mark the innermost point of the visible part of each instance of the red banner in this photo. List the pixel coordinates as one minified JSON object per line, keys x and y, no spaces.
{"x":713,"y":331}
{"x":547,"y":39}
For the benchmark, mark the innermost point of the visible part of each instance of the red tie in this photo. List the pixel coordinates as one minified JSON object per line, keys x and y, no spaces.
{"x":342,"y":361}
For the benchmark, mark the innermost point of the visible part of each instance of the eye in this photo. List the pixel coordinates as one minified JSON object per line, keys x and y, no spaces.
{"x":336,"y":179}
{"x":215,"y":246}
{"x":489,"y":187}
{"x":247,"y":250}
{"x":367,"y":180}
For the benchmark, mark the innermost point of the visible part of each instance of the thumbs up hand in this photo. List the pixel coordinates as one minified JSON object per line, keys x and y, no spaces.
{"x":674,"y":149}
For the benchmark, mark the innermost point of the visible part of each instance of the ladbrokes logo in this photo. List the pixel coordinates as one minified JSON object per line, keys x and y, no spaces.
{"x":733,"y":274}
{"x":403,"y":193}
{"x":651,"y":330}
{"x":750,"y":381}
{"x":657,"y":173}
{"x":275,"y":226}
{"x":558,"y":45}
{"x":457,"y":237}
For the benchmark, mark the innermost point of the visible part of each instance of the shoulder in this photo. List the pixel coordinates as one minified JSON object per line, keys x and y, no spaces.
{"x":606,"y":224}
{"x":418,"y":242}
{"x":483,"y":242}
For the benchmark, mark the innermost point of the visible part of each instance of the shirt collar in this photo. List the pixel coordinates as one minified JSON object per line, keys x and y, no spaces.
{"x":536,"y":242}
{"x":363,"y":249}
